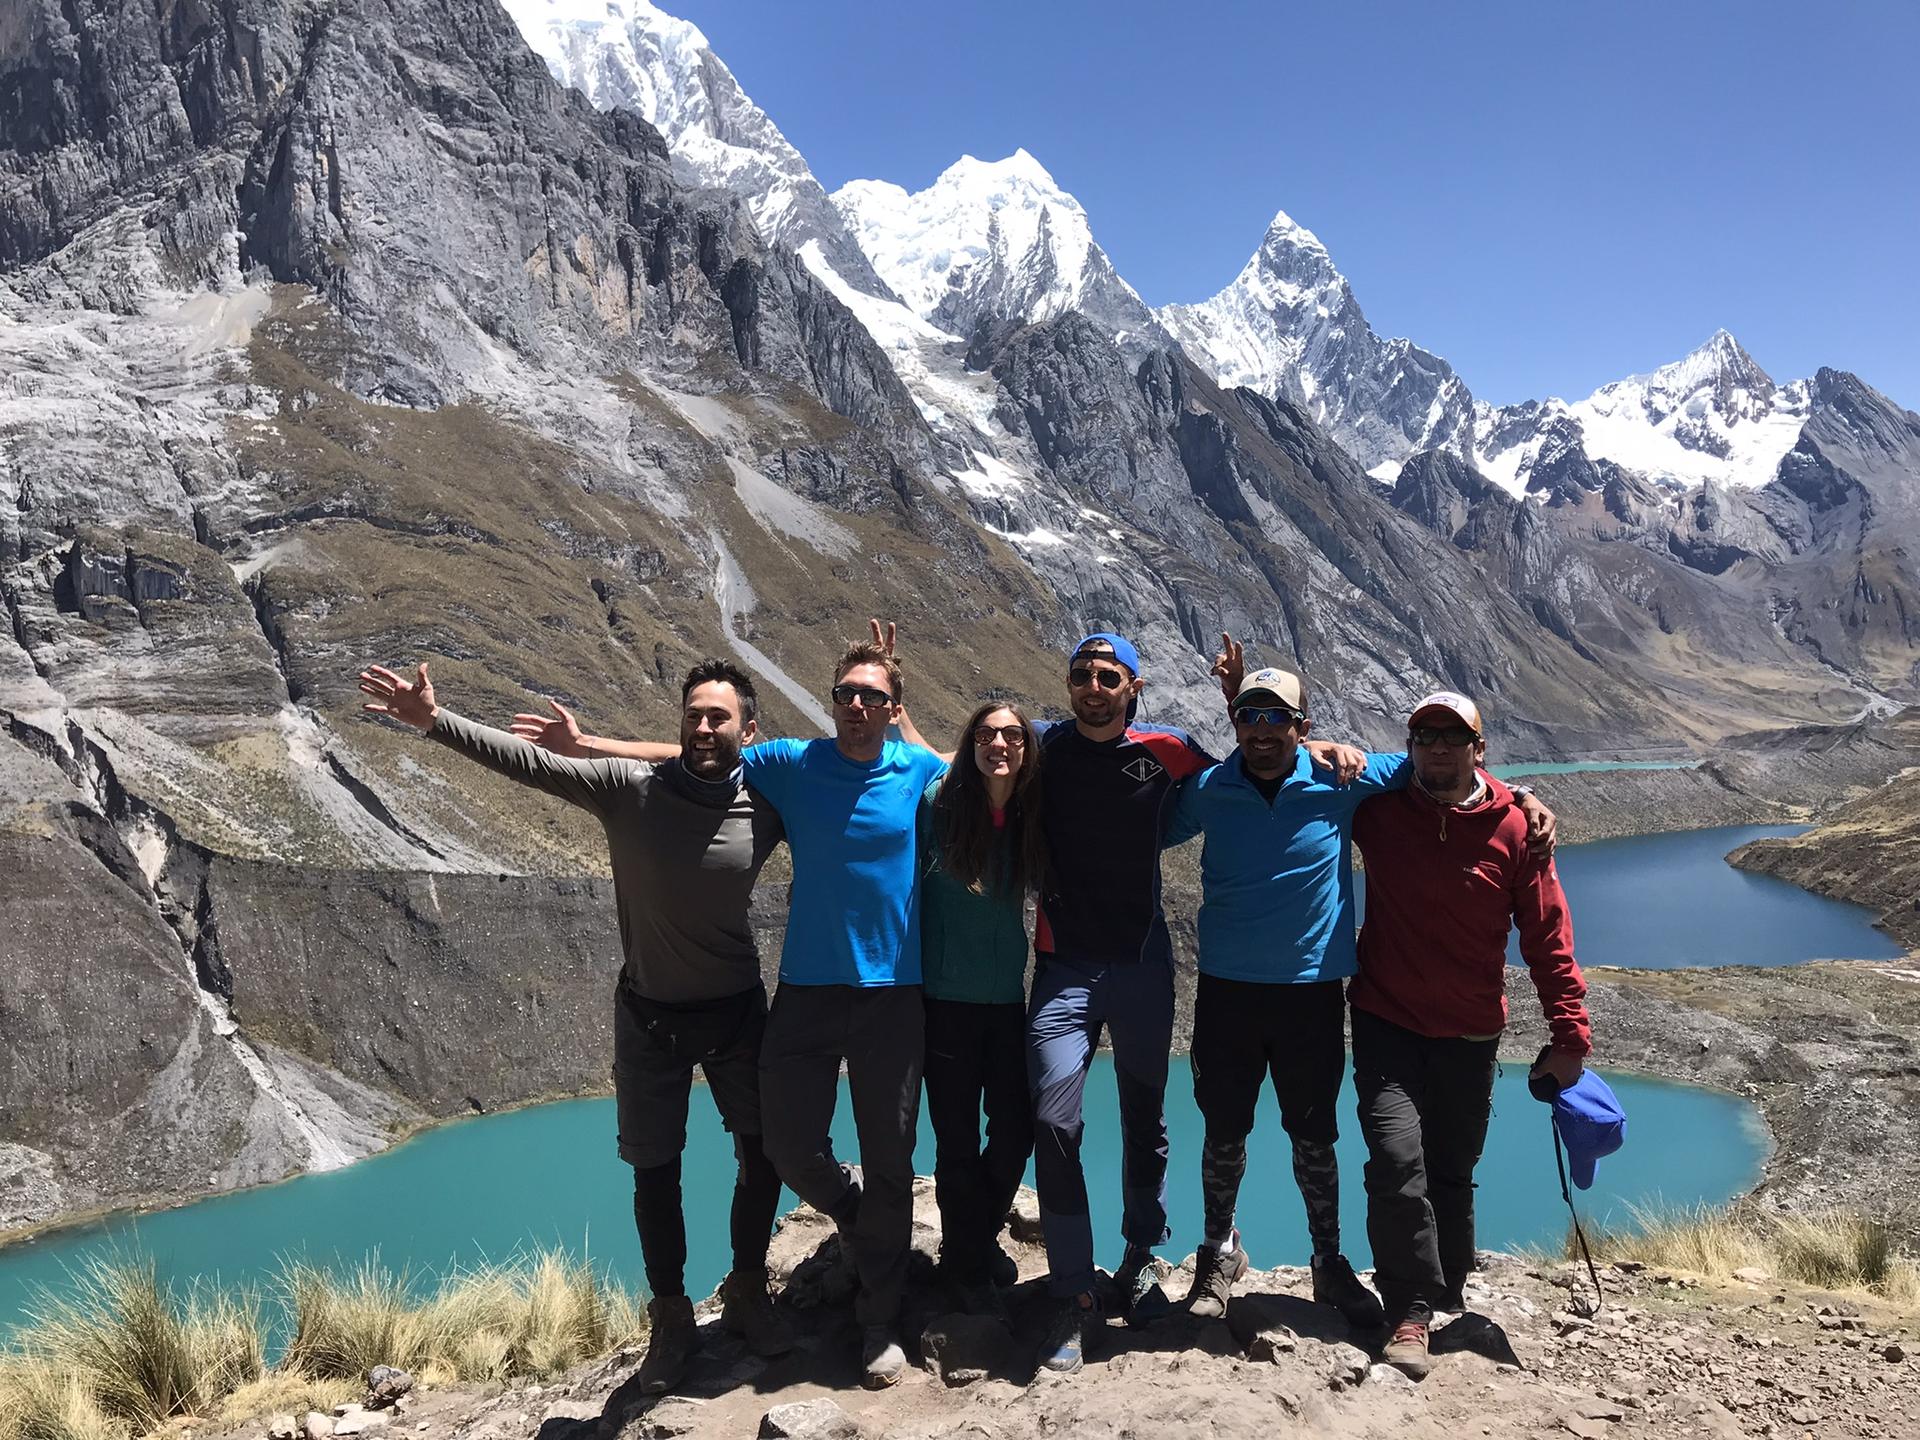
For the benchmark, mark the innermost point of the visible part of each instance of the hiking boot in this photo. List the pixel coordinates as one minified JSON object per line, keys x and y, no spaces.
{"x":1407,"y":1351}
{"x":671,"y":1340}
{"x":747,"y":1311}
{"x":1002,"y":1269}
{"x":1214,"y":1272}
{"x":1064,"y":1348}
{"x":1454,"y":1302}
{"x":883,"y":1360}
{"x":980,"y":1296}
{"x":1141,"y":1297}
{"x":1335,"y":1284}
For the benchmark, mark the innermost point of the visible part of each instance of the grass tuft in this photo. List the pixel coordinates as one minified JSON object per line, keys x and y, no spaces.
{"x":1828,"y":1250}
{"x":121,"y":1355}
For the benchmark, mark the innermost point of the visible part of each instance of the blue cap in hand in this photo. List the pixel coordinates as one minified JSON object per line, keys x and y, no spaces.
{"x":1591,"y":1124}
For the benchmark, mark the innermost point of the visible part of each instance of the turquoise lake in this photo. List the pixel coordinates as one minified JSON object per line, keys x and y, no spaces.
{"x":549,"y":1175}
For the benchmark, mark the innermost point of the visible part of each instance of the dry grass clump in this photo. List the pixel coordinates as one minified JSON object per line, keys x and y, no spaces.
{"x":138,"y":1352}
{"x":534,"y":1317}
{"x":122,"y":1355}
{"x":1826,"y":1249}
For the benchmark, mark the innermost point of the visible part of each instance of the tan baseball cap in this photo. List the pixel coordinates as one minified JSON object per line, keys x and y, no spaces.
{"x":1283,"y":685}
{"x":1451,"y":703}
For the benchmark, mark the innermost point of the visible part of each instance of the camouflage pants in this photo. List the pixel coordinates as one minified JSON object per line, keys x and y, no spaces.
{"x":1244,"y":1034}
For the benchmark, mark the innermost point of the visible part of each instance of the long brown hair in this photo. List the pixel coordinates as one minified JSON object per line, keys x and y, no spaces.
{"x":968,"y":847}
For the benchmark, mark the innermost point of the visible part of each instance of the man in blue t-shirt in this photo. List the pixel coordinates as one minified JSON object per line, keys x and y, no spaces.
{"x":849,"y":975}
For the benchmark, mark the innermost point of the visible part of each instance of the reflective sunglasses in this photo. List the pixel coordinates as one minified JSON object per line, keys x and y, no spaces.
{"x":865,"y":694}
{"x":1455,"y":735}
{"x":1267,"y":715}
{"x":1014,"y":735}
{"x":1081,"y":676}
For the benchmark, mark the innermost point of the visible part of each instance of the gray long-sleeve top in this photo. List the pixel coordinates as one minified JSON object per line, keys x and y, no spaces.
{"x":685,"y":854}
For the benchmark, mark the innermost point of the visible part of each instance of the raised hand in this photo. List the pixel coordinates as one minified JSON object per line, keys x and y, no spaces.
{"x":883,"y":637}
{"x":408,"y":701}
{"x":1345,"y":761}
{"x":1230,"y":665}
{"x":558,"y":732}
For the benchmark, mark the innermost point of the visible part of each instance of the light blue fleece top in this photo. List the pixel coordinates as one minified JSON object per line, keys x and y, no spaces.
{"x":854,"y":916}
{"x":1276,"y":902}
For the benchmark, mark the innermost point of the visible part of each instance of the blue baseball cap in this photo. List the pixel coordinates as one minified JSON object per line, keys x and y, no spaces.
{"x":1101,"y":641}
{"x":1591,"y":1124}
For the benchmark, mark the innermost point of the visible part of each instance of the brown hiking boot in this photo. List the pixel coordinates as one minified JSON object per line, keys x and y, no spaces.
{"x":747,"y":1311}
{"x":1407,"y":1351}
{"x":1214,"y":1272}
{"x":671,"y":1340}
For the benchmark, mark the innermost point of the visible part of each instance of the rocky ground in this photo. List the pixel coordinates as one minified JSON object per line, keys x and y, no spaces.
{"x":1666,"y":1355}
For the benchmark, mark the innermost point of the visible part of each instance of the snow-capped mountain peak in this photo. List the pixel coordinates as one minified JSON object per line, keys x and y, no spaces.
{"x":631,"y":55}
{"x":1713,"y":415}
{"x":988,"y":240}
{"x":1288,"y":325}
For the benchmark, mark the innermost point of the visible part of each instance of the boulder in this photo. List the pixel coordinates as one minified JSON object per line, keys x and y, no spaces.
{"x":811,"y":1420}
{"x":386,"y":1384}
{"x":962,"y":1348}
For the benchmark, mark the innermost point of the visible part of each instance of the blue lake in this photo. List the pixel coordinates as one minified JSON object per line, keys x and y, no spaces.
{"x":549,"y":1175}
{"x":485,"y":1187}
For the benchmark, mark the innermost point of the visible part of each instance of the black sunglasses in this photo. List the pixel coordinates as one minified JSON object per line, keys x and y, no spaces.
{"x":865,"y":694}
{"x":1267,"y":715}
{"x":1455,"y":735}
{"x":1014,"y":735}
{"x":1081,"y":676}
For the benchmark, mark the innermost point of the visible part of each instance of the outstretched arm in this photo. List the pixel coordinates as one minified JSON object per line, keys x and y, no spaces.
{"x":561,"y":734}
{"x":586,"y":783}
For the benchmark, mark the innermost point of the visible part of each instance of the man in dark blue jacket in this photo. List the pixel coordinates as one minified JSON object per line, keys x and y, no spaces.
{"x":1103,"y":959}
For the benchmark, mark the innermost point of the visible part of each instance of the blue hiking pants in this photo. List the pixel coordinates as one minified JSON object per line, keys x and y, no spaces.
{"x":1072,"y":1000}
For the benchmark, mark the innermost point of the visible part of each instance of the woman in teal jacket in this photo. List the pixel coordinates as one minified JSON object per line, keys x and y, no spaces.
{"x":981,"y":852}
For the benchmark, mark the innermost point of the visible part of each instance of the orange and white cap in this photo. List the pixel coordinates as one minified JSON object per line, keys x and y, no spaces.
{"x":1450,"y":703}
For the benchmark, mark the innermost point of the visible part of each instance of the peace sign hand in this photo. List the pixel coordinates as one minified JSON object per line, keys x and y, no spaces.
{"x":1230,"y":665}
{"x":408,"y":701}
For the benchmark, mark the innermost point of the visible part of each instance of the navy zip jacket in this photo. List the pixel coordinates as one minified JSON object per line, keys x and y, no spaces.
{"x":1105,"y":809}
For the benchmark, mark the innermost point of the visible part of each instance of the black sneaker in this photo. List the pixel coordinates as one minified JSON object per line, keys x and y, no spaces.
{"x":1335,"y":1284}
{"x":980,"y":1296}
{"x":1064,"y":1348}
{"x":1214,"y":1272}
{"x":672,"y":1338}
{"x":1141,"y":1297}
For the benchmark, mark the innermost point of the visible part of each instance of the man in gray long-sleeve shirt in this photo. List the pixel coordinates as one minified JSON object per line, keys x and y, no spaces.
{"x":687,"y":841}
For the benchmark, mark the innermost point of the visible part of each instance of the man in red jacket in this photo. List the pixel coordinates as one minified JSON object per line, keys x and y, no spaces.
{"x":1449,"y":869}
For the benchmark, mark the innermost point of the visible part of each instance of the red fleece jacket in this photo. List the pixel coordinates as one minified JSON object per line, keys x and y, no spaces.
{"x":1443,"y":887}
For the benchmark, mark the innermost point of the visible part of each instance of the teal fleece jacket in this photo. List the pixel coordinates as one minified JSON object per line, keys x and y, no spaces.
{"x":972,"y":947}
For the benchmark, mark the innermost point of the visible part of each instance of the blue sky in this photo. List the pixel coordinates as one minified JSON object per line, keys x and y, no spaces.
{"x":1550,"y":195}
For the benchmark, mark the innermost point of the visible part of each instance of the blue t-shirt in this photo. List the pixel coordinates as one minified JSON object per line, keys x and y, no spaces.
{"x":854,"y":916}
{"x":1276,"y":902}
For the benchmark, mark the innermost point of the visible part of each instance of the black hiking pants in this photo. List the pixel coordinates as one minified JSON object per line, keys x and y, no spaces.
{"x":976,"y":1058}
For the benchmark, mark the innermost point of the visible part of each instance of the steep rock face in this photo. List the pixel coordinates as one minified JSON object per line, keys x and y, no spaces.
{"x":630,"y":55}
{"x":340,"y":333}
{"x":1246,"y":509}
